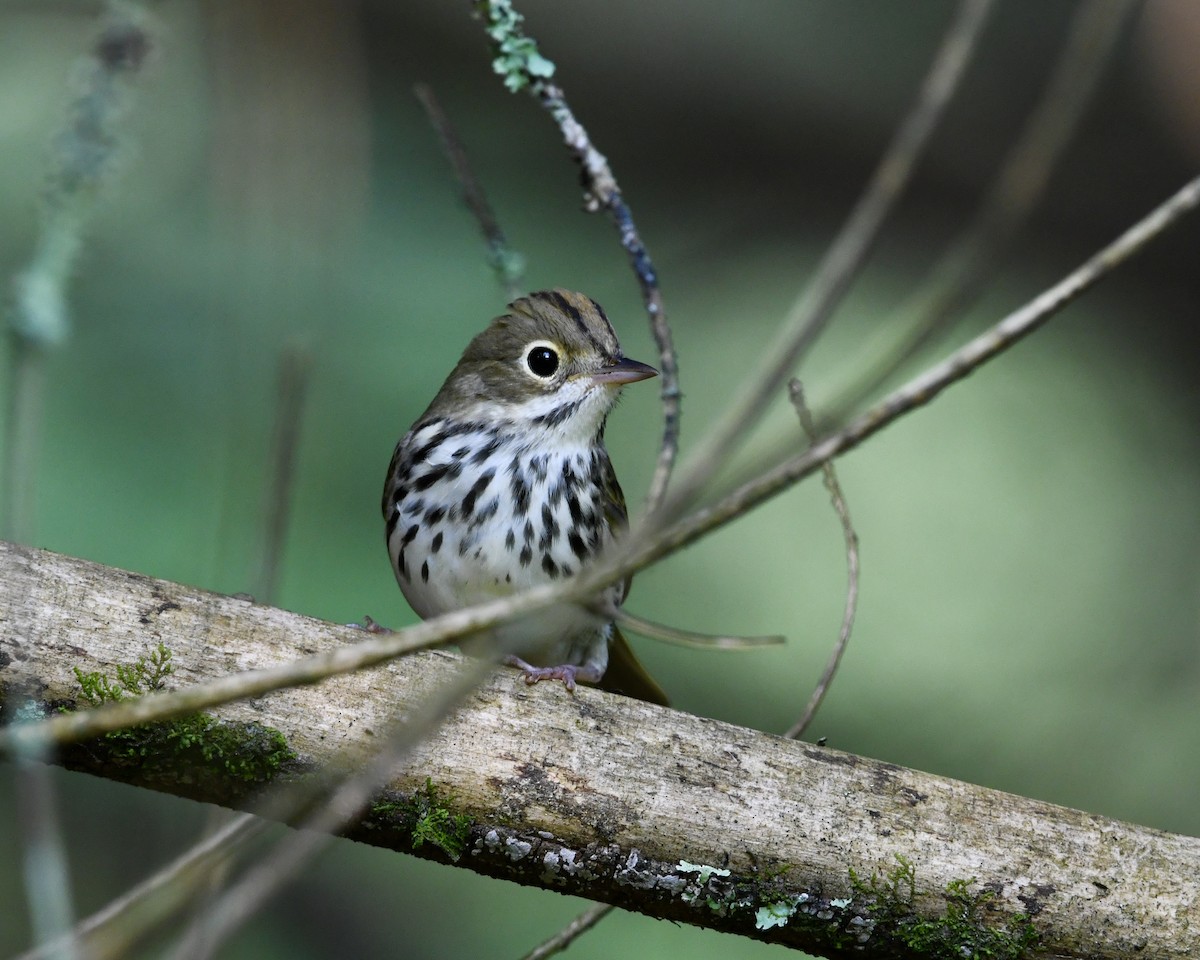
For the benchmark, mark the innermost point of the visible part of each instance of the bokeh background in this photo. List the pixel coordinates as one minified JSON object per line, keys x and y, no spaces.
{"x":1029,"y":599}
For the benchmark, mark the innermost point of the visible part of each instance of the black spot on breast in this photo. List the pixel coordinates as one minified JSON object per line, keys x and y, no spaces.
{"x":526,"y":557}
{"x":487,"y":449}
{"x":460,"y":453}
{"x":445,"y":471}
{"x":414,"y":506}
{"x":550,"y":566}
{"x":528,"y":532}
{"x":436,"y":544}
{"x":556,"y":494}
{"x":434,"y":515}
{"x":556,"y":416}
{"x":425,"y":572}
{"x":510,"y":541}
{"x":549,"y":528}
{"x":520,"y":492}
{"x":578,"y":547}
{"x":485,"y":513}
{"x":539,"y":465}
{"x":391,"y":525}
{"x":477,"y":488}
{"x":402,"y":564}
{"x":430,"y":445}
{"x":410,"y":534}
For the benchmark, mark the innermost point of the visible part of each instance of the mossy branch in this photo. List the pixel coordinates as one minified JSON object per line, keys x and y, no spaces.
{"x":671,"y":815}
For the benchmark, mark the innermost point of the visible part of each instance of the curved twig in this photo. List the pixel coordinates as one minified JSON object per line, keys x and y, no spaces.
{"x":687,"y":638}
{"x":845,"y":258}
{"x":571,"y":932}
{"x":796,"y":392}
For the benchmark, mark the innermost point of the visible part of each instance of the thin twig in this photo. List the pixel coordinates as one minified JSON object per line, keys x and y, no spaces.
{"x":639,"y":549}
{"x":845,"y":258}
{"x":919,"y":391}
{"x":523,"y":67}
{"x":295,"y":371}
{"x":956,"y":281}
{"x":687,"y":638}
{"x":508,"y":264}
{"x":571,"y":932}
{"x":601,"y":188}
{"x":796,"y":392}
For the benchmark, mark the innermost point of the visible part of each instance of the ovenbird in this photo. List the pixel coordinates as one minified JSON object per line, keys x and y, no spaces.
{"x":504,"y":483}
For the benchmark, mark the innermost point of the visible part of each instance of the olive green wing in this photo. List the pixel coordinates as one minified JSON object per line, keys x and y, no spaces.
{"x":625,"y":673}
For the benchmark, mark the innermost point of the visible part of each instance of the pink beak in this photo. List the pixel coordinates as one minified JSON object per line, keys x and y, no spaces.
{"x":624,"y":371}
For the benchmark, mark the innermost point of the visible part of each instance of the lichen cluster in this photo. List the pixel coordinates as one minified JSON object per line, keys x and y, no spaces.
{"x":515,"y":55}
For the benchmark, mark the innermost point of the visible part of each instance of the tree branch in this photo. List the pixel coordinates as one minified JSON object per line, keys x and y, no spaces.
{"x":671,"y":815}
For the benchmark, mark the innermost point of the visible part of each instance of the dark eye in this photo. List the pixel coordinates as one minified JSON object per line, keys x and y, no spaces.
{"x":542,"y":361}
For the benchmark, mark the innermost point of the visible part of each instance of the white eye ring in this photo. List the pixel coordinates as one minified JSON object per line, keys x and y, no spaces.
{"x":542,"y":359}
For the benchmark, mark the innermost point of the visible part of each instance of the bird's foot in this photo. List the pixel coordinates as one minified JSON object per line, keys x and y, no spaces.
{"x":370,"y":626}
{"x":568,"y":673}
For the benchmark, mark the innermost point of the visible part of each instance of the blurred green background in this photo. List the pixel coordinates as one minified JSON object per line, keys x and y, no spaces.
{"x":1029,"y":596}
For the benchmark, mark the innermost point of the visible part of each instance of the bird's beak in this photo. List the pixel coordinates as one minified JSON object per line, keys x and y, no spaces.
{"x":623,"y":371}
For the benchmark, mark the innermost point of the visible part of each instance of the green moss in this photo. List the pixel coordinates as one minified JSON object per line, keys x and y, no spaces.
{"x":427,"y":818}
{"x":199,"y":752}
{"x":960,"y":933}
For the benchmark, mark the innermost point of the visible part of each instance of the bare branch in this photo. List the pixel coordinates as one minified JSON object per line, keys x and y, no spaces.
{"x":570,"y":933}
{"x":372,"y":650}
{"x":846,"y":255}
{"x":796,"y":391}
{"x":629,"y":803}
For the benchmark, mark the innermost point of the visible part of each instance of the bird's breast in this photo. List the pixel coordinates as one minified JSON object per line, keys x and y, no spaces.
{"x":475,"y":513}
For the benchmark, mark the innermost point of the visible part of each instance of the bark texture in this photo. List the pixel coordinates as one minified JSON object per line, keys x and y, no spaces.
{"x":658,"y":811}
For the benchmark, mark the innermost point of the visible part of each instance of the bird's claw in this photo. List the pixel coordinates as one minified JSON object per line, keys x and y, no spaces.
{"x":568,"y":673}
{"x":370,"y":626}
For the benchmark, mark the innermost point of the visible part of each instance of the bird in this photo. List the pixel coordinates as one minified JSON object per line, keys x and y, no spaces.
{"x":504,"y":484}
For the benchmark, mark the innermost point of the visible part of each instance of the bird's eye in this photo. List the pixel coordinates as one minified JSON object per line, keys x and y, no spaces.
{"x":542,"y":361}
